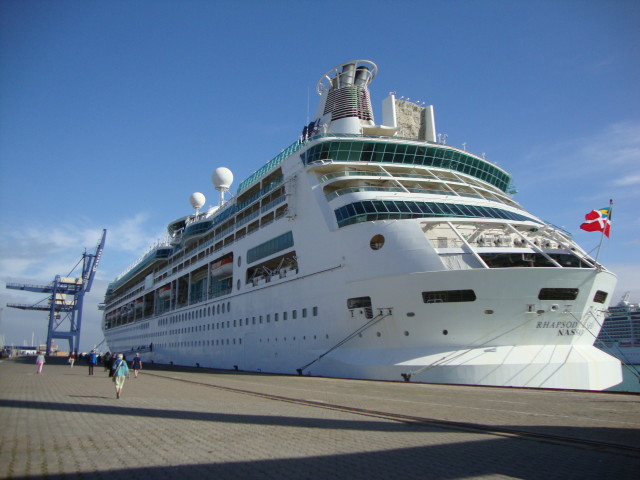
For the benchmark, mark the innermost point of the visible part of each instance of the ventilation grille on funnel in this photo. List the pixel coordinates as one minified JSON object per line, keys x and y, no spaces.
{"x":349,"y":101}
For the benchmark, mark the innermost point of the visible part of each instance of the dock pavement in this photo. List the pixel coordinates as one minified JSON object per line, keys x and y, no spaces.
{"x":189,"y":423}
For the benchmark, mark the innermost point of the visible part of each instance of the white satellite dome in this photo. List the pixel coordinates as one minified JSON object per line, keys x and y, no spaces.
{"x":222,"y":178}
{"x":197,"y":200}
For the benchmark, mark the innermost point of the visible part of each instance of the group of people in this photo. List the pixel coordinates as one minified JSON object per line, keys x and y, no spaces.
{"x":115,"y":364}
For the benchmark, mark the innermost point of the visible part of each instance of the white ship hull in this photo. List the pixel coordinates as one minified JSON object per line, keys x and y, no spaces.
{"x":516,"y":345}
{"x":373,"y":257}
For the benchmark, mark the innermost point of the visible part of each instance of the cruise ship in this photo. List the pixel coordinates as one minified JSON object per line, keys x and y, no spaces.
{"x":369,"y":250}
{"x":620,"y":333}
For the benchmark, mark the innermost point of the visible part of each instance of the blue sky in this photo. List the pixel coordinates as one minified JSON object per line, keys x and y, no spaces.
{"x":113,"y":113}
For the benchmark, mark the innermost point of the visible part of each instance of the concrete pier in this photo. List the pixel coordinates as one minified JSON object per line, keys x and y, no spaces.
{"x":186,"y":423}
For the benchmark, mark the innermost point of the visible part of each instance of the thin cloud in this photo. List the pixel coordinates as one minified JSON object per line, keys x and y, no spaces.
{"x":41,"y":251}
{"x":618,"y":144}
{"x":610,"y":159}
{"x":628,"y":180}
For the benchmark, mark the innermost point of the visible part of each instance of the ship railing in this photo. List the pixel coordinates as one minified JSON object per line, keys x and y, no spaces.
{"x":160,"y":275}
{"x":263,"y":191}
{"x":271,"y":164}
{"x":475,"y":195}
{"x":354,"y":173}
{"x":230,"y":229}
{"x":371,"y":173}
{"x":273,"y":203}
{"x":344,"y":191}
{"x":219,"y":293}
{"x":145,"y":256}
{"x":446,"y":242}
{"x":247,"y":219}
{"x":195,"y":218}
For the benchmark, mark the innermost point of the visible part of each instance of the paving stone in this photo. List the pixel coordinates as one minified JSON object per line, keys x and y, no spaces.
{"x":179,"y":423}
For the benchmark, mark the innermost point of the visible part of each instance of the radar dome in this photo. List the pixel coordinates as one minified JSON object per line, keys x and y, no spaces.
{"x":222,"y":178}
{"x":197,"y":200}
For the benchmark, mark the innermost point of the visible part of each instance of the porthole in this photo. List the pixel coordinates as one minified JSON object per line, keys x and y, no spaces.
{"x":445,"y":332}
{"x":406,"y":334}
{"x":239,"y":260}
{"x":378,"y":334}
{"x":377,"y":242}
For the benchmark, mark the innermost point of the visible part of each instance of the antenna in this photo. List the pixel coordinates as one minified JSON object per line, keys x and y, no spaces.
{"x":197,"y":200}
{"x":307,"y":106}
{"x":222,"y":178}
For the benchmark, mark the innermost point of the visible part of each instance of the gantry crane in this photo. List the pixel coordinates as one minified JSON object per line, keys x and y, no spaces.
{"x":66,"y":299}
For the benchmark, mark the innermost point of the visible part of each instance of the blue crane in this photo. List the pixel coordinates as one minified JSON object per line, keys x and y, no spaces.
{"x":66,"y":299}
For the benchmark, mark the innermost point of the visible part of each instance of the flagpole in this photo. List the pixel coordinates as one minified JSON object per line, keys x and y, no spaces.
{"x":605,"y":227}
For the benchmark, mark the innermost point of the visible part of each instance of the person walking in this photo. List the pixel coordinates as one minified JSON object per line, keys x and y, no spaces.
{"x":106,"y":362}
{"x":93,"y":359}
{"x":113,"y":358}
{"x":120,"y":373}
{"x":40,"y":363}
{"x":72,"y":359}
{"x":136,"y":364}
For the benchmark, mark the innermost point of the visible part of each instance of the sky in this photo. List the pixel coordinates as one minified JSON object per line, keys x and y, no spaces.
{"x":113,"y":113}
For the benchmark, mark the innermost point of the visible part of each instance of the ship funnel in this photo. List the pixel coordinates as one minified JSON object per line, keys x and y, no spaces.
{"x":345,"y":95}
{"x":363,"y":76}
{"x":348,"y":75}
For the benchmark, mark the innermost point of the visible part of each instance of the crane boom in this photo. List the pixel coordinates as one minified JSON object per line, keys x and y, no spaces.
{"x":67,"y":297}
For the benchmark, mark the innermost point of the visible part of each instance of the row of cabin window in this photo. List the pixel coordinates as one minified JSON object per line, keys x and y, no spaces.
{"x":254,"y":320}
{"x":202,"y":343}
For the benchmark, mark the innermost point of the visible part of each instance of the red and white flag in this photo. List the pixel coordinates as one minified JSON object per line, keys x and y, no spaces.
{"x":598,"y":221}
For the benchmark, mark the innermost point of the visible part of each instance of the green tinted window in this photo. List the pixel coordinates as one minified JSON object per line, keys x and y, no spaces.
{"x":270,"y":247}
{"x":370,"y":210}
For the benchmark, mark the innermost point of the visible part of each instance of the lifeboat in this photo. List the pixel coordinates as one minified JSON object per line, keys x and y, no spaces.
{"x":222,"y":268}
{"x":165,"y":292}
{"x":196,"y":277}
